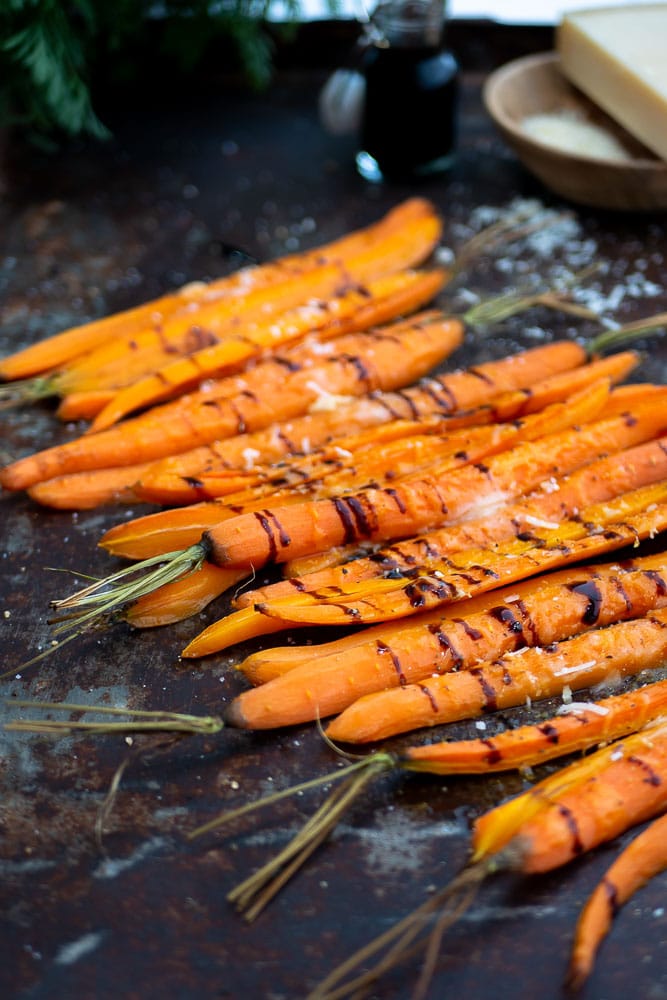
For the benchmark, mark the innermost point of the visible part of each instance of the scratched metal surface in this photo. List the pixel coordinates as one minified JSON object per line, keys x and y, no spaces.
{"x":144,"y":912}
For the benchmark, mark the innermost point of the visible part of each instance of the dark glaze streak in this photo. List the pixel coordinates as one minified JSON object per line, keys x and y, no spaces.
{"x":550,"y":732}
{"x":571,"y":822}
{"x":620,"y":589}
{"x":283,"y":537}
{"x":365,"y":524}
{"x":494,"y":756}
{"x":506,"y":617}
{"x":413,"y":409}
{"x":481,"y":375}
{"x":425,"y":690}
{"x":472,"y":633}
{"x":611,"y":893}
{"x":289,"y":364}
{"x":363,"y":373}
{"x":659,"y":581}
{"x":451,"y":400}
{"x":241,"y":426}
{"x":396,"y":497}
{"x":383,"y":649}
{"x":591,"y":591}
{"x":629,"y":419}
{"x":266,"y":528}
{"x":652,"y":777}
{"x":447,"y":646}
{"x":343,"y":512}
{"x":528,"y":622}
{"x":196,"y":484}
{"x":297,"y":583}
{"x":490,"y":702}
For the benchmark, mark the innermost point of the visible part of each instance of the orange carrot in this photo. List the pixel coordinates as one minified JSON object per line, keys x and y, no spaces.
{"x":72,"y":343}
{"x":578,"y":726}
{"x":641,"y":860}
{"x":182,"y":598}
{"x":545,"y":612}
{"x":556,"y":821}
{"x":172,"y":427}
{"x":356,"y":308}
{"x":554,"y":500}
{"x":623,"y":649}
{"x":176,"y":480}
{"x":400,"y":511}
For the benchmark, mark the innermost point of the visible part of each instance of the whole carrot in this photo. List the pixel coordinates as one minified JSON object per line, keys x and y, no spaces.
{"x":534,"y":673}
{"x":554,"y":822}
{"x":401,"y":670}
{"x":624,"y":520}
{"x":60,"y":348}
{"x":644,"y":857}
{"x":546,"y":507}
{"x":579,"y":727}
{"x":174,"y":427}
{"x":356,"y":308}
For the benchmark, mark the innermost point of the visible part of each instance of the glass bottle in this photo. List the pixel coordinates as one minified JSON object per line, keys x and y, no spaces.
{"x":408,"y":126}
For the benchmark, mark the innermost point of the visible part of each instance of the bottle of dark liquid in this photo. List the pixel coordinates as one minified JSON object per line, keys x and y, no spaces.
{"x":408,"y":127}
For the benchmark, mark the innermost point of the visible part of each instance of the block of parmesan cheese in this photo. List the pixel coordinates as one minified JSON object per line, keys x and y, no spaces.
{"x":618,"y":57}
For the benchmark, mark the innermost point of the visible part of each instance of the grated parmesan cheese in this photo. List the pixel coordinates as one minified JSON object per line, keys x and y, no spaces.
{"x":568,"y":132}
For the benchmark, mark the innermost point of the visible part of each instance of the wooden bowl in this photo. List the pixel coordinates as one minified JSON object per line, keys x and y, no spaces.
{"x":535,"y":85}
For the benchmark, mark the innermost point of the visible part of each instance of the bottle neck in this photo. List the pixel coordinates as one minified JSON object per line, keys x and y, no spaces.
{"x":409,"y":23}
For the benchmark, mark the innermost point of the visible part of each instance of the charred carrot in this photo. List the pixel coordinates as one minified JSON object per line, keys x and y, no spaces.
{"x":643,"y":858}
{"x":573,"y":541}
{"x":578,"y":726}
{"x":171,"y":482}
{"x":581,"y":727}
{"x":171,"y":428}
{"x":406,"y":659}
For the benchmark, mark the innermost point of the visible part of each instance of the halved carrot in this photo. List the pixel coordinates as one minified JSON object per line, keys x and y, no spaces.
{"x":598,"y":529}
{"x":621,"y":650}
{"x":400,"y":511}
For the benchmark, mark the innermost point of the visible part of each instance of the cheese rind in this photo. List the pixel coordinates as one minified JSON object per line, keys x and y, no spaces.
{"x":617,"y":57}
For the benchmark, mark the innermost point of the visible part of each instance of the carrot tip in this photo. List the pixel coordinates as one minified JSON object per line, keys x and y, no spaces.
{"x":235,"y":716}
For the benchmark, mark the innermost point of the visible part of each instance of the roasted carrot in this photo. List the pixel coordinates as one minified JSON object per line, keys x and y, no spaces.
{"x":644,"y":857}
{"x":578,"y":726}
{"x":554,"y":822}
{"x":546,"y":507}
{"x":621,"y":650}
{"x":356,"y":308}
{"x":422,"y":503}
{"x":643,"y":513}
{"x":174,"y":482}
{"x":172,"y":427}
{"x":267,"y":663}
{"x":181,"y":598}
{"x":605,"y":527}
{"x":384,"y":668}
{"x":87,"y":490}
{"x":60,"y":348}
